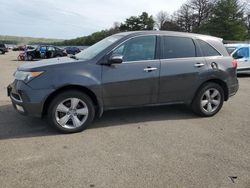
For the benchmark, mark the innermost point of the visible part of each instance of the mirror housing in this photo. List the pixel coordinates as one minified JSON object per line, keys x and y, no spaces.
{"x":116,"y":59}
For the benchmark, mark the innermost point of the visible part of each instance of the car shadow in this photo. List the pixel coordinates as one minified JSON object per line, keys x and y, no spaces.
{"x":21,"y":61}
{"x":14,"y":125}
{"x":143,"y":115}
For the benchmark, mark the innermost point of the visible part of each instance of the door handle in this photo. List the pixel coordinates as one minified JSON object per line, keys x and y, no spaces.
{"x":150,"y":69}
{"x":199,"y":65}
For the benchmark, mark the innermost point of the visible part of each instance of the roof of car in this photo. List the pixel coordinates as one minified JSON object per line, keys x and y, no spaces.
{"x":237,"y":45}
{"x":175,"y":33}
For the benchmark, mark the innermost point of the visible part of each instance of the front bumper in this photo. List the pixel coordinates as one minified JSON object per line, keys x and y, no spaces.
{"x":26,"y":100}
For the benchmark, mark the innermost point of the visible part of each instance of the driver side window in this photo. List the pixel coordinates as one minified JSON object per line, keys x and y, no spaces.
{"x":137,"y":49}
{"x":241,"y":53}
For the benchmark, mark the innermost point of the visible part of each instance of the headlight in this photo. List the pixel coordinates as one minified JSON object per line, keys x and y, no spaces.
{"x":26,"y":76}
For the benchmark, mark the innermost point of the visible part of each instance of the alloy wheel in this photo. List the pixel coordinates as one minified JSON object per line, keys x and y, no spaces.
{"x":71,"y":113}
{"x":210,"y":100}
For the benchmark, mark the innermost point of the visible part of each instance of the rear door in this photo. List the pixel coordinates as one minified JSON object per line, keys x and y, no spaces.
{"x":181,"y":67}
{"x":135,"y":81}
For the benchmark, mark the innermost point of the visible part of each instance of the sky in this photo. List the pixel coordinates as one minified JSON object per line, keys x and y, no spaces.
{"x":66,"y":19}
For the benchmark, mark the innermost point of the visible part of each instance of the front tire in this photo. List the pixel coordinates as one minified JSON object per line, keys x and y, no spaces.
{"x":209,"y":100}
{"x":71,"y":112}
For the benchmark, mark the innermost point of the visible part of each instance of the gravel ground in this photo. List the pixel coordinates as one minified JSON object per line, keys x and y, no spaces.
{"x":148,"y":147}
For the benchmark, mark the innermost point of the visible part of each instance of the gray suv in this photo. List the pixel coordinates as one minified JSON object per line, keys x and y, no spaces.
{"x":127,"y":70}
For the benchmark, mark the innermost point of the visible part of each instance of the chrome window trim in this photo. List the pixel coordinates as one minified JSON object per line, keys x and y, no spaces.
{"x":141,"y":61}
{"x":182,"y":58}
{"x":188,"y":58}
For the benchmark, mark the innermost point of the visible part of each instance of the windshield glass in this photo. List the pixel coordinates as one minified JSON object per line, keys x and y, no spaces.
{"x":95,"y":49}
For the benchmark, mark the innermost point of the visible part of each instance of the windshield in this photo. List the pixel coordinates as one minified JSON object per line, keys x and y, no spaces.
{"x":95,"y":49}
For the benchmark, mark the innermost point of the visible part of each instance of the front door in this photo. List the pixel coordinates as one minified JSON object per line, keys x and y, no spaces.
{"x":135,"y":81}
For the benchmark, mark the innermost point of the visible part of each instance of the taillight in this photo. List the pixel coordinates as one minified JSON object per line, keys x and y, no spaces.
{"x":234,"y":63}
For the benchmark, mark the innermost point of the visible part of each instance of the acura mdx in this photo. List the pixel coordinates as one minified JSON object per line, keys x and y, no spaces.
{"x":126,"y":70}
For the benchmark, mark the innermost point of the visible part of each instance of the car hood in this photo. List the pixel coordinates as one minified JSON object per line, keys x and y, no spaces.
{"x":45,"y":63}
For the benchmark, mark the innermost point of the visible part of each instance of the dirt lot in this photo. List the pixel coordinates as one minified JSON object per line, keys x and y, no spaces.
{"x":150,"y":147}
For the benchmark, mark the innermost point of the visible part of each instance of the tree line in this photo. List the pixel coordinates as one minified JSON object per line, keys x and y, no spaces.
{"x":228,"y":19}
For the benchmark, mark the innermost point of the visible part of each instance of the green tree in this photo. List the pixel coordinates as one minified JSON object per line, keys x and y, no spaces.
{"x":227,"y":21}
{"x":202,"y":10}
{"x":93,"y":38}
{"x":185,"y":18}
{"x":136,"y":23}
{"x":170,"y":26}
{"x":161,"y":18}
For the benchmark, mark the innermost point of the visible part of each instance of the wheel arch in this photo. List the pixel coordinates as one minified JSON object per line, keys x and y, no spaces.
{"x":219,"y":82}
{"x":90,"y":93}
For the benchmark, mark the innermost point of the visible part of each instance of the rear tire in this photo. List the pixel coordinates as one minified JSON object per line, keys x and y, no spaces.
{"x":209,"y":100}
{"x":71,"y":111}
{"x":2,"y":52}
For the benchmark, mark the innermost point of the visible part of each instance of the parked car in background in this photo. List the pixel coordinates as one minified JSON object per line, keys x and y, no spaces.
{"x":240,"y":52}
{"x":72,"y":50}
{"x":43,"y":52}
{"x":3,"y":48}
{"x":18,"y":48}
{"x":129,"y":69}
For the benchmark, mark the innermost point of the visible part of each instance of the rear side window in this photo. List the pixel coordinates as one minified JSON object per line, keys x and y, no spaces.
{"x":207,"y":49}
{"x":178,"y":47}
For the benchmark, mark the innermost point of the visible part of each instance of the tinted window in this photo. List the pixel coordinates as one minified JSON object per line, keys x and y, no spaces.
{"x":207,"y":49}
{"x":241,"y":53}
{"x":43,"y":48}
{"x":178,"y":47}
{"x":51,"y":48}
{"x":137,"y":49}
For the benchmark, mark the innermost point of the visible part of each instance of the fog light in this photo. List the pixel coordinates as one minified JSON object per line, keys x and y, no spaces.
{"x":19,"y":108}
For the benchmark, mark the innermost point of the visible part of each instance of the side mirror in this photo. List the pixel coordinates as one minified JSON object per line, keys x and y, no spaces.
{"x":116,"y":59}
{"x":239,"y":56}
